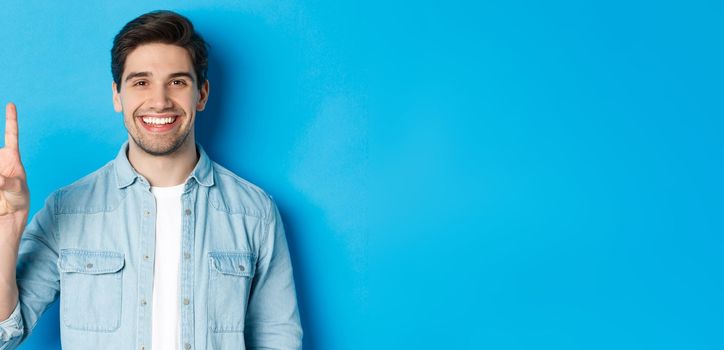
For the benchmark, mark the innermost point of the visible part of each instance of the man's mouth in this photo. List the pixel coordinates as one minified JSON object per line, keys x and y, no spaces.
{"x":159,"y":123}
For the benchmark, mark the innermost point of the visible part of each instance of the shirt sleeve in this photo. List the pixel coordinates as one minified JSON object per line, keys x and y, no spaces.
{"x":272,"y":318}
{"x":11,"y":329}
{"x":37,"y":277}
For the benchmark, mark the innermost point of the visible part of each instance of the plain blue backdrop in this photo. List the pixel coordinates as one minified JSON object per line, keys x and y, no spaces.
{"x":452,"y":175}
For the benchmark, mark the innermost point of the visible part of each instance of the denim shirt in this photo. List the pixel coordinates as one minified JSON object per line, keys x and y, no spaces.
{"x":93,"y":244}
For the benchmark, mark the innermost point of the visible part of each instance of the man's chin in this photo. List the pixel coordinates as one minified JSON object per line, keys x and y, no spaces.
{"x":159,"y":150}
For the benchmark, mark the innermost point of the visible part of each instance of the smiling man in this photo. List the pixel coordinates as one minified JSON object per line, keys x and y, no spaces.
{"x":161,"y":248}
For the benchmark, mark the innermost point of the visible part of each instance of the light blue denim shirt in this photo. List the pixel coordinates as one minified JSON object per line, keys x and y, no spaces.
{"x":93,"y":244}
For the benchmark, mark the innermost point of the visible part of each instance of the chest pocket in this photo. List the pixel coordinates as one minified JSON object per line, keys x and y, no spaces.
{"x":230,"y":278}
{"x":90,"y":289}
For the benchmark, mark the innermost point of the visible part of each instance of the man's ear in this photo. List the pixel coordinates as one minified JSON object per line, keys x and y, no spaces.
{"x":116,"y":99}
{"x":203,"y":96}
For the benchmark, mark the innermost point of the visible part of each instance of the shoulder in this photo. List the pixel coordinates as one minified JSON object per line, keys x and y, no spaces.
{"x":236,"y":195}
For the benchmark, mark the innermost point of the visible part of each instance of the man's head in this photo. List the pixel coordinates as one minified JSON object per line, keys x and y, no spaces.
{"x":159,"y":68}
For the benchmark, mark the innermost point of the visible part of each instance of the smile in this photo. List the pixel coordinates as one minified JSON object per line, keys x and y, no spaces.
{"x":159,"y":123}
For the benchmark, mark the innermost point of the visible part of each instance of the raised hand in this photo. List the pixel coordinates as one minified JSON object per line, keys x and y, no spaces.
{"x":14,"y":193}
{"x":14,"y":204}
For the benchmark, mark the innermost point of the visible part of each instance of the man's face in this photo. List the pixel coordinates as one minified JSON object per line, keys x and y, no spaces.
{"x":159,"y":97}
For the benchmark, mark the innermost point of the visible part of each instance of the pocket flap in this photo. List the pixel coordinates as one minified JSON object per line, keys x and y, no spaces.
{"x":233,"y":263}
{"x":90,"y":262}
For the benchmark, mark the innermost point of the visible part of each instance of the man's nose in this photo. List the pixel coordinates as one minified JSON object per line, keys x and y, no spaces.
{"x":160,"y":99}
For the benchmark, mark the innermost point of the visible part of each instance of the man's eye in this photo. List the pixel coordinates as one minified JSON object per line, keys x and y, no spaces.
{"x":178,"y":82}
{"x":140,"y":83}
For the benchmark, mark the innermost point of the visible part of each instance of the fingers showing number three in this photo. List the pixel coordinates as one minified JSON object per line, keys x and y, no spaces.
{"x":11,"y":126}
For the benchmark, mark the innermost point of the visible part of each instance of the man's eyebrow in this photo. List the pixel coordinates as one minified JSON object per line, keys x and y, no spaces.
{"x":181,"y":74}
{"x":137,"y":74}
{"x":148,"y":74}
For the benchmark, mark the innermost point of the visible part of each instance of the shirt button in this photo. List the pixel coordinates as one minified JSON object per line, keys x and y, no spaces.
{"x":186,"y":301}
{"x":145,"y":257}
{"x":188,"y":211}
{"x":187,"y":346}
{"x":143,"y":301}
{"x":90,"y":266}
{"x":241,"y":267}
{"x":187,"y":255}
{"x":147,"y":213}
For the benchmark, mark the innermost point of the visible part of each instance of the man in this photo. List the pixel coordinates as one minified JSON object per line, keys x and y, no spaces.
{"x":161,"y":248}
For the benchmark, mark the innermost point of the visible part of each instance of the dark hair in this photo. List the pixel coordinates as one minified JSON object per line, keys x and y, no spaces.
{"x":165,"y":27}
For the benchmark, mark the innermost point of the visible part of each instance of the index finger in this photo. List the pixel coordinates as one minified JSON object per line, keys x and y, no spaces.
{"x":11,"y":126}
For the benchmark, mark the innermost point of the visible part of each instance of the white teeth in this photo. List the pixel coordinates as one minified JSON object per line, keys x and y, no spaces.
{"x":158,"y":121}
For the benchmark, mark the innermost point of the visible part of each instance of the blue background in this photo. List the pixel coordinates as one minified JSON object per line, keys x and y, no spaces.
{"x":457,"y":175}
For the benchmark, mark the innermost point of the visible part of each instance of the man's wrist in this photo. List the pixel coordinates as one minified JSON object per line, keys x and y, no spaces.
{"x":12,"y":226}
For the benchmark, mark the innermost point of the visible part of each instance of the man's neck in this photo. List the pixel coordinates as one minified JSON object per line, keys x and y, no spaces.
{"x":164,"y":171}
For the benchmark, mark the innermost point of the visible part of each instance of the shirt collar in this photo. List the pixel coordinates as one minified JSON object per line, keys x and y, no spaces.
{"x":203,"y":172}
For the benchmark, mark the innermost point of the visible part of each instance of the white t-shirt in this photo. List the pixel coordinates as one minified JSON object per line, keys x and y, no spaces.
{"x":165,"y":328}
